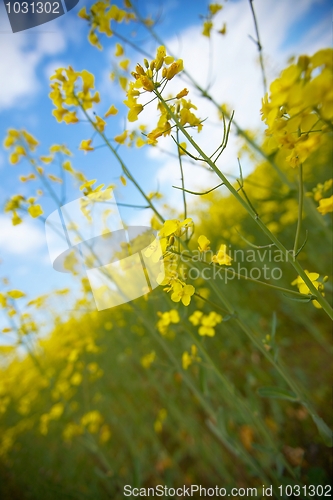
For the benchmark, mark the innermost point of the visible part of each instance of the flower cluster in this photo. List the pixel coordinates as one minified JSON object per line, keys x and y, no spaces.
{"x":21,"y":142}
{"x":213,"y":9}
{"x":68,"y":93}
{"x":319,"y":193}
{"x":299,"y":109}
{"x":170,"y":272}
{"x":151,"y":77}
{"x":166,"y":319}
{"x":100,"y":16}
{"x":20,"y":203}
{"x":207,"y":322}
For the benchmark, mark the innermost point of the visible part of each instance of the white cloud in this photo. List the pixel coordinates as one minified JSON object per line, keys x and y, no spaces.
{"x":23,"y":240}
{"x":232,"y":65}
{"x":18,"y":64}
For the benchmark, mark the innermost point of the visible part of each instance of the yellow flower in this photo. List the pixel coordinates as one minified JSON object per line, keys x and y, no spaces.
{"x":121,"y":138}
{"x":35,"y":211}
{"x":83,"y":14}
{"x":158,"y":424}
{"x":195,"y":318}
{"x":182,"y":293}
{"x":92,"y":420}
{"x":166,"y":319}
{"x":100,"y":124}
{"x":182,"y":93}
{"x":174,"y":69}
{"x":222,"y":257}
{"x":70,"y":117}
{"x":303,"y":288}
{"x":32,"y":142}
{"x":119,"y":50}
{"x":174,"y":226}
{"x":111,"y":111}
{"x":148,"y":359}
{"x":134,"y":112}
{"x":203,"y":243}
{"x":223,"y":30}
{"x":124,"y":64}
{"x":86,"y":145}
{"x":186,"y":360}
{"x":189,"y":358}
{"x":15,"y":294}
{"x":325,"y":205}
{"x":207,"y":27}
{"x":214,"y":8}
{"x":160,"y":55}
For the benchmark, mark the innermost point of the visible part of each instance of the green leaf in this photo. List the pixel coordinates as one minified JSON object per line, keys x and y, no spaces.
{"x":299,"y":299}
{"x":323,"y":429}
{"x":277,"y":393}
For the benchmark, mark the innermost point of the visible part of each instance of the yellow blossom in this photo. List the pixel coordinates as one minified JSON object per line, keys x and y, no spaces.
{"x":100,"y":124}
{"x":189,"y":358}
{"x":174,"y":69}
{"x":158,"y":425}
{"x":15,"y":294}
{"x":86,"y":145}
{"x":195,"y":318}
{"x":174,"y":226}
{"x":182,"y":292}
{"x":207,"y":27}
{"x":203,"y":243}
{"x":214,"y":8}
{"x":303,"y":287}
{"x":35,"y":211}
{"x":222,"y":257}
{"x":325,"y":205}
{"x":124,"y":64}
{"x":119,"y":50}
{"x":148,"y":359}
{"x":166,"y":319}
{"x":121,"y":138}
{"x":111,"y":111}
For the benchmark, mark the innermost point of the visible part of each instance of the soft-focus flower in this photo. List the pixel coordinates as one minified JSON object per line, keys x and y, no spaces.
{"x":325,"y":205}
{"x":189,"y":358}
{"x":222,"y":257}
{"x":303,"y":287}
{"x":86,"y":145}
{"x":203,"y":243}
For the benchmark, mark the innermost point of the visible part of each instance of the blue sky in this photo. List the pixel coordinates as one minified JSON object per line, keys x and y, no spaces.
{"x":27,"y":59}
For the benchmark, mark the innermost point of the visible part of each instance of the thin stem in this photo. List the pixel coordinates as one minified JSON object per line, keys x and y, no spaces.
{"x":324,"y":304}
{"x":199,"y":194}
{"x":300,"y":211}
{"x":258,"y":43}
{"x":182,"y":176}
{"x":122,"y":164}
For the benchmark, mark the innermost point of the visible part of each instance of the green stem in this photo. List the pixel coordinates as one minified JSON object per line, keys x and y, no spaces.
{"x":300,"y":210}
{"x":182,"y":176}
{"x":324,"y":304}
{"x":122,"y":164}
{"x":239,"y":400}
